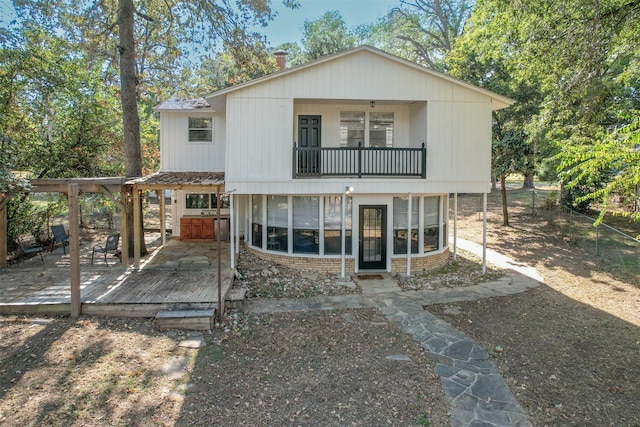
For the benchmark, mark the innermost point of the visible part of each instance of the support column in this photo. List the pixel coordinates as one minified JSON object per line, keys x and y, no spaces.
{"x":163,"y":224}
{"x":409,"y":236}
{"x":455,"y":226}
{"x":74,"y":249}
{"x":217,"y":232}
{"x":137,"y":228}
{"x":232,"y":230}
{"x":342,"y":236}
{"x":124,"y":231}
{"x":238,"y":232}
{"x":484,"y":233}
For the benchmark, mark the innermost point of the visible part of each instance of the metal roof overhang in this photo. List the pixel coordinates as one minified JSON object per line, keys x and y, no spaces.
{"x":178,"y":181}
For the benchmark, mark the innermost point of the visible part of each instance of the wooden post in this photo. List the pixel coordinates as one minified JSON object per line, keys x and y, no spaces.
{"x":137,"y":225}
{"x":74,"y":249}
{"x":163,"y":228}
{"x":124,"y":254}
{"x":124,"y":231}
{"x":218,"y":238}
{"x":4,"y":199}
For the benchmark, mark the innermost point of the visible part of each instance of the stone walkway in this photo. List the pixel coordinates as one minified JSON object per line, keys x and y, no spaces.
{"x":471,"y":381}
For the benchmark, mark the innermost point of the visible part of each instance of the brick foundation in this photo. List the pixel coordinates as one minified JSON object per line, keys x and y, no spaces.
{"x":333,"y":265}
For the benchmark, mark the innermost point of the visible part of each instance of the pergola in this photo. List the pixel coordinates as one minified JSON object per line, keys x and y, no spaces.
{"x":196,"y":182}
{"x":72,"y":188}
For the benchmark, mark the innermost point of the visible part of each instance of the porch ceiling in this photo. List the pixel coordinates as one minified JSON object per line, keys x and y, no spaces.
{"x":179,"y":180}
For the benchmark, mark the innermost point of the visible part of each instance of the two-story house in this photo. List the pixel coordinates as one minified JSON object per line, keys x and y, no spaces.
{"x":344,"y":163}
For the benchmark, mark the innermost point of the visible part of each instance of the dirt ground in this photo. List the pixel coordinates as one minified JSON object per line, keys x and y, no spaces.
{"x":570,"y":351}
{"x":316,"y":368}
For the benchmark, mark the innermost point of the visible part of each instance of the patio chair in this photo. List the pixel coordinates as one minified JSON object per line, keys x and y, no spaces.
{"x":59,"y":235}
{"x":110,"y":246}
{"x":30,"y":249}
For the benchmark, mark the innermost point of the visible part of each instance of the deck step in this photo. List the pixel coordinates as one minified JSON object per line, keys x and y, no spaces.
{"x":198,"y":320}
{"x":235,"y":298}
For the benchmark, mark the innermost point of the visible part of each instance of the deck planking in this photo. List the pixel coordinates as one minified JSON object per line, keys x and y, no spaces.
{"x":119,"y":292}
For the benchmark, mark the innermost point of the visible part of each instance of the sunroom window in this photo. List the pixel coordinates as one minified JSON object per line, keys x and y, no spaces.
{"x":431,"y":223}
{"x":306,"y":224}
{"x":400,"y":230}
{"x":333,"y":226}
{"x":256,"y":220}
{"x":277,"y":223}
{"x":200,"y":129}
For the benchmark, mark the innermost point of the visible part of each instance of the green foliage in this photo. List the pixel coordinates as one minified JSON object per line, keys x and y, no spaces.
{"x":611,"y":165}
{"x":10,"y":184}
{"x":422,"y":31}
{"x":326,"y":35}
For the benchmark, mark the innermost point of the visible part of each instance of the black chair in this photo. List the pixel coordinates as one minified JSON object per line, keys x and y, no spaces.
{"x":110,"y":246}
{"x":59,"y":235}
{"x":31,"y":249}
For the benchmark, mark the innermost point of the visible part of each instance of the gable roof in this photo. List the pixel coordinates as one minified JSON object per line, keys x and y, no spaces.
{"x":498,"y":101}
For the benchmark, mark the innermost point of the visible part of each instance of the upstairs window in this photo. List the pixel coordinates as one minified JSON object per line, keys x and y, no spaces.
{"x":380,"y":129}
{"x":370,"y":129}
{"x":352,"y":128}
{"x":200,"y":129}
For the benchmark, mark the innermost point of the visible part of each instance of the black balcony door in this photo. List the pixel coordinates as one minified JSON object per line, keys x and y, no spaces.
{"x":309,"y":136}
{"x":372,"y":239}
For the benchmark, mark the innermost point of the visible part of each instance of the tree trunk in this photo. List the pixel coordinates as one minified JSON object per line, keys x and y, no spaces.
{"x":528,"y":180}
{"x":531,"y":169}
{"x":129,"y":99}
{"x":503,"y":192}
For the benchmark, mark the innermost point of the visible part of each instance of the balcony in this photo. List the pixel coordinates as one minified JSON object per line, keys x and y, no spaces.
{"x":314,"y":162}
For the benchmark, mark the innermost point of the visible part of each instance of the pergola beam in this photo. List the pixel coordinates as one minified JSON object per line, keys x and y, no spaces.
{"x":85,"y":185}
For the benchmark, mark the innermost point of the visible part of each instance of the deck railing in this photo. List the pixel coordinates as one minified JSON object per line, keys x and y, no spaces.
{"x":313,"y":162}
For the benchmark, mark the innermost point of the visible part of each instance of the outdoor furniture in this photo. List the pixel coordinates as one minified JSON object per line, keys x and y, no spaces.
{"x":31,"y":249}
{"x":110,"y":246}
{"x":59,"y":235}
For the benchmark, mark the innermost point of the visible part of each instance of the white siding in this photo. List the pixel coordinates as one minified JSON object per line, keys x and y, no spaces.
{"x":177,"y":154}
{"x":451,"y":118}
{"x":260,"y":140}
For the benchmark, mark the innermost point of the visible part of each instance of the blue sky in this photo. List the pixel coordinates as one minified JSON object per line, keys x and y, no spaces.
{"x":286,"y":27}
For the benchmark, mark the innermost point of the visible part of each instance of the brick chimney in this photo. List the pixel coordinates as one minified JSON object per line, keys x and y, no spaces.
{"x":281,"y":57}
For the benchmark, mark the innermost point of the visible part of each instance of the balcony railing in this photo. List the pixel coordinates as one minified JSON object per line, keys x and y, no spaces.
{"x":313,"y":162}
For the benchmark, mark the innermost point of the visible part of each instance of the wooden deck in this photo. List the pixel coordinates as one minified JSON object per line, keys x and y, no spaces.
{"x":177,"y":276}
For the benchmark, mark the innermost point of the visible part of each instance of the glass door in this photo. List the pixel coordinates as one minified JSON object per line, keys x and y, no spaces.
{"x":373,"y":242}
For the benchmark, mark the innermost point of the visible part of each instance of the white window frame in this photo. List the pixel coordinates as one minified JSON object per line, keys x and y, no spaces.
{"x":209,"y":129}
{"x":390,"y":133}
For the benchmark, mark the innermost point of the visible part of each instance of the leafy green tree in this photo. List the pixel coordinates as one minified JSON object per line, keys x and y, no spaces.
{"x":489,"y":55}
{"x":422,"y":31}
{"x":326,"y":35}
